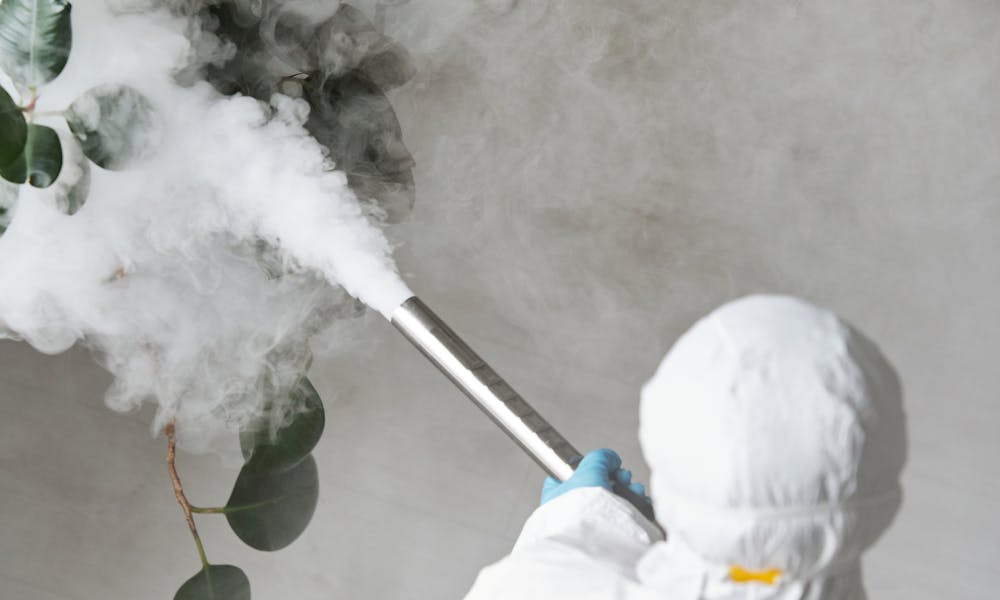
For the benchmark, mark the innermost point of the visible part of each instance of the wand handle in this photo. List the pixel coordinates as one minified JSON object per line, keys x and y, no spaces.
{"x":443,"y":347}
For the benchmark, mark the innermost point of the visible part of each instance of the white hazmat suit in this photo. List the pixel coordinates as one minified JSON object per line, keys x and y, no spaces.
{"x":775,"y":436}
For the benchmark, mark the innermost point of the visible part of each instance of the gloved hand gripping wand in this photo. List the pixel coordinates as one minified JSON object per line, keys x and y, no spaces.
{"x":493,"y":395}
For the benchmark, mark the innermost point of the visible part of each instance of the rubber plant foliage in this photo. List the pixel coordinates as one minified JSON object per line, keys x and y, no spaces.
{"x":342,"y":67}
{"x":109,"y":124}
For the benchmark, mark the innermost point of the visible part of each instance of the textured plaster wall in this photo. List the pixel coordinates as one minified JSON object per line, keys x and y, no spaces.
{"x":592,"y":176}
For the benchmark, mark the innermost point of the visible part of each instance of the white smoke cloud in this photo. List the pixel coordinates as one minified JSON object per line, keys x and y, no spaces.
{"x":199,"y":273}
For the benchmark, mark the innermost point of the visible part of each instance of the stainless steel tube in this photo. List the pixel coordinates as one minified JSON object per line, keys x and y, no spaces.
{"x":484,"y":387}
{"x":492,"y":394}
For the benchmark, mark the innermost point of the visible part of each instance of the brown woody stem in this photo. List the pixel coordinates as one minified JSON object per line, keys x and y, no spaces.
{"x":179,"y":489}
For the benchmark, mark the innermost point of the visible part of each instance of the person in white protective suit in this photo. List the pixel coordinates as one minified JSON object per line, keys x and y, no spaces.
{"x":775,"y":436}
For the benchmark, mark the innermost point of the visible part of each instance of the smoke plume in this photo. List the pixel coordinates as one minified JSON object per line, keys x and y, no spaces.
{"x":199,"y":273}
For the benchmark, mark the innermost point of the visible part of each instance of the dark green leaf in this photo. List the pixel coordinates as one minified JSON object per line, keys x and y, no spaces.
{"x":388,"y":65}
{"x":287,"y":432}
{"x":216,"y":582}
{"x":35,"y":39}
{"x":13,"y":129}
{"x":342,"y":41}
{"x":41,"y":160}
{"x":250,"y":70}
{"x":114,"y":124}
{"x":354,"y":120}
{"x":270,"y":509}
{"x":71,"y":189}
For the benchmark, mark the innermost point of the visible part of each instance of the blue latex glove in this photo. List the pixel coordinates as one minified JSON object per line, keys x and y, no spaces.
{"x":599,"y":468}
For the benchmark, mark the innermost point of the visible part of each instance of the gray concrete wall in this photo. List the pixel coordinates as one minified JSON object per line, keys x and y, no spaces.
{"x":592,"y":176}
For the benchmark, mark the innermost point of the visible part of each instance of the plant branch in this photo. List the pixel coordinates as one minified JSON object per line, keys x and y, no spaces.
{"x":179,"y":489}
{"x":225,"y":510}
{"x":30,"y":106}
{"x":213,"y":510}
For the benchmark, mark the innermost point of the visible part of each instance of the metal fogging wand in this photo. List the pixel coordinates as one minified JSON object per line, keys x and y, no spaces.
{"x":493,"y":395}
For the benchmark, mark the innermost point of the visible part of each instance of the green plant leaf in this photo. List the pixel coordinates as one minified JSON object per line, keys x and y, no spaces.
{"x":287,"y":432}
{"x":216,"y":582}
{"x":71,"y":189}
{"x":270,"y":509}
{"x":114,"y":124}
{"x":13,"y":129}
{"x":40,"y":162}
{"x":354,"y":120}
{"x":35,"y":39}
{"x":388,"y":65}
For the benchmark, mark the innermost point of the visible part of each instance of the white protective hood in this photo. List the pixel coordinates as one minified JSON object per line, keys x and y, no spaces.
{"x":775,"y":436}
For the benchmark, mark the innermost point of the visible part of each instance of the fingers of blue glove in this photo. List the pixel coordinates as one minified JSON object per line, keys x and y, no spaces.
{"x":638,"y":488}
{"x":550,"y":484}
{"x":623,"y":476}
{"x":602,"y":461}
{"x":594,"y":470}
{"x":550,"y":489}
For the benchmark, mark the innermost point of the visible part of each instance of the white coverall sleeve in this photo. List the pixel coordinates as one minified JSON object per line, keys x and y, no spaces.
{"x":583,"y":544}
